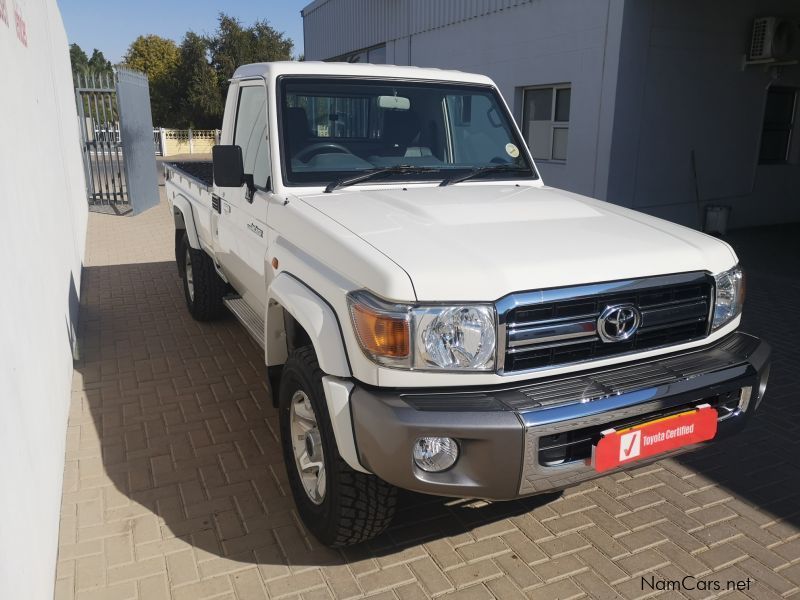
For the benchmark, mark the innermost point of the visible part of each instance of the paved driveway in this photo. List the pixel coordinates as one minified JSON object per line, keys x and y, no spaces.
{"x":174,"y":485}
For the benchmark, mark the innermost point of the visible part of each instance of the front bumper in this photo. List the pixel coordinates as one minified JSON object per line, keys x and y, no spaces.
{"x":536,"y":436}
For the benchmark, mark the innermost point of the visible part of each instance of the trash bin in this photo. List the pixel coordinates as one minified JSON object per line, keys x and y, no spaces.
{"x":717,"y":219}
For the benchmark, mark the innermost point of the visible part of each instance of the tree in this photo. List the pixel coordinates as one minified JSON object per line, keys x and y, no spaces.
{"x":189,"y":83}
{"x":158,"y":58}
{"x":233,"y":45}
{"x":200,"y":102}
{"x":99,"y":64}
{"x":153,"y":55}
{"x":78,"y":58}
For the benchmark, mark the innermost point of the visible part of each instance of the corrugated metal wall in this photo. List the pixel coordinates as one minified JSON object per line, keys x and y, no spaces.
{"x":335,"y":27}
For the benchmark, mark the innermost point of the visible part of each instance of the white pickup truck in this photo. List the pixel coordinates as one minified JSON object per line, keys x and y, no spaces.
{"x":433,"y":316}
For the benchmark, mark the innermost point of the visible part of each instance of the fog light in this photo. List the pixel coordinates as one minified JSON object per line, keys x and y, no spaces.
{"x":435,"y":454}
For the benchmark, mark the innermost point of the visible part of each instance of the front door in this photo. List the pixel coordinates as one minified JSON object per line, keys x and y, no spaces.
{"x":242,"y":224}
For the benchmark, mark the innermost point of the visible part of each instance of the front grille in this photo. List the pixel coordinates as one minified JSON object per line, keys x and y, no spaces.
{"x":559,"y":326}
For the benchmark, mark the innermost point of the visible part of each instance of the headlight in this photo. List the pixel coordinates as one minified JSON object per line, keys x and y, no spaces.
{"x":454,"y":337}
{"x":459,"y":337}
{"x":729,"y":296}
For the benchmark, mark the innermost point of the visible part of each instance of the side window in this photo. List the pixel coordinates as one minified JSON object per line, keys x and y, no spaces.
{"x":479,"y":134}
{"x":251,"y":132}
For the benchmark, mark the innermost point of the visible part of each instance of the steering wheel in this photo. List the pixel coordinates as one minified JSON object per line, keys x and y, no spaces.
{"x":322,"y":147}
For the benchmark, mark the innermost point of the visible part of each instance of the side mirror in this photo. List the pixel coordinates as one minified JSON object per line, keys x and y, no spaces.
{"x":228,"y":166}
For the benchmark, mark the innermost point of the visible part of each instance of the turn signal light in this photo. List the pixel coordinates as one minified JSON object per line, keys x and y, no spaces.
{"x":380,"y":334}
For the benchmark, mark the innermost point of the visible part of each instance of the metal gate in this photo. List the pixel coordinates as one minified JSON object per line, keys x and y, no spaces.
{"x":102,"y":152}
{"x":115,"y":120}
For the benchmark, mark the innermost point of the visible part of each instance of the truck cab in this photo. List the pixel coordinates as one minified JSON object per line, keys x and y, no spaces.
{"x":433,"y":316}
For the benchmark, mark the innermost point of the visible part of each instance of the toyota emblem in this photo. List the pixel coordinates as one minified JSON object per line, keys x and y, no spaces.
{"x":618,"y":322}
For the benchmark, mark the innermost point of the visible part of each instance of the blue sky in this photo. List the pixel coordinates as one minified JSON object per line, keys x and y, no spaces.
{"x":110,"y":26}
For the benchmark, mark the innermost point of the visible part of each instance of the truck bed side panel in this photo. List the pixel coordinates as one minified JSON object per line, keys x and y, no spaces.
{"x":191,"y":180}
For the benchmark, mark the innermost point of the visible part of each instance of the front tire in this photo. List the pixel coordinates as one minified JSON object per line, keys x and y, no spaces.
{"x":339,"y":505}
{"x":203,"y":288}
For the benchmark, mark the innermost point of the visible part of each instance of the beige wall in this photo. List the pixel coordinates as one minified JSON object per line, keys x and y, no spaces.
{"x":188,"y":141}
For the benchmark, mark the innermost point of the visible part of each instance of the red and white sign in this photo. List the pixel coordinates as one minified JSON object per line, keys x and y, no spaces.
{"x":617,"y":448}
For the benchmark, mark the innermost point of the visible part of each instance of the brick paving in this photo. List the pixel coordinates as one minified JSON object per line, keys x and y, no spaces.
{"x":174,"y":486}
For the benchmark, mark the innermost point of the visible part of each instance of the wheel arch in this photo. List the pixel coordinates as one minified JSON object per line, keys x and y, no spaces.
{"x":184,"y":220}
{"x":297,"y":316}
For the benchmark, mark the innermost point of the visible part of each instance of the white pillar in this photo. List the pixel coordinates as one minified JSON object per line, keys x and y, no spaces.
{"x":162,"y":134}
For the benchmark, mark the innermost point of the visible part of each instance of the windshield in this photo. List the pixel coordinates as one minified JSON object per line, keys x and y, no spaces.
{"x":335,"y":129}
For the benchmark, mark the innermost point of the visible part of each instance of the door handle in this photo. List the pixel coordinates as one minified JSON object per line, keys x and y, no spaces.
{"x":226,"y":208}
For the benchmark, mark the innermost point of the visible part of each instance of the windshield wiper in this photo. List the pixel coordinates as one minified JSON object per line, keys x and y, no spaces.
{"x":400,"y":169}
{"x":500,"y":168}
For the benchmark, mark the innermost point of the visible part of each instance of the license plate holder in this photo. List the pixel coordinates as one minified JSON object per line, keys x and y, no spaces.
{"x":619,"y":447}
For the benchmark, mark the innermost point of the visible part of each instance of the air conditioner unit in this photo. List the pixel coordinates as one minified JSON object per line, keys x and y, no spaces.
{"x":774,"y":38}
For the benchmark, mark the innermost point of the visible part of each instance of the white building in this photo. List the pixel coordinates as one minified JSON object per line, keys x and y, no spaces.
{"x":42,"y":242}
{"x":652,"y":104}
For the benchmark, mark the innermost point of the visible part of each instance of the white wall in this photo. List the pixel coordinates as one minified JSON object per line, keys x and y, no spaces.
{"x":42,"y":245}
{"x":516,"y":43}
{"x":682,"y":93}
{"x":335,"y":27}
{"x":542,"y":43}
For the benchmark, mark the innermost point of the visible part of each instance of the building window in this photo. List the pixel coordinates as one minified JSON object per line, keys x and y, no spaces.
{"x":776,"y":135}
{"x":375,"y":55}
{"x":545,"y":121}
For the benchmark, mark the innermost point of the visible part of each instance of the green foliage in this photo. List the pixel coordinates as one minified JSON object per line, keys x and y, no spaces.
{"x":78,"y":58}
{"x":158,"y":58}
{"x":153,"y":55}
{"x":189,"y":83}
{"x":198,"y":96}
{"x":99,"y":64}
{"x":233,"y":45}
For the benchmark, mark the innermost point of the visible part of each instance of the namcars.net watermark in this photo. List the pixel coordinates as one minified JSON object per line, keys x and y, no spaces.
{"x":689,"y":583}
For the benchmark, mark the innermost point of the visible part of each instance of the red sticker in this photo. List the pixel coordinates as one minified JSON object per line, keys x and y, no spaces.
{"x":618,"y":448}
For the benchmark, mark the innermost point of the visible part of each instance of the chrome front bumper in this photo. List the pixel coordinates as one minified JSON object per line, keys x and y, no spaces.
{"x":510,"y":436}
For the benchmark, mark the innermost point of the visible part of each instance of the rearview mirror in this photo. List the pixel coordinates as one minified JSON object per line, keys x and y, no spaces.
{"x":394,"y":102}
{"x":228,"y":166}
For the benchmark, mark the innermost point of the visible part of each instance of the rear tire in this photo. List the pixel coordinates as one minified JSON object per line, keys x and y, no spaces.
{"x":203,"y":288}
{"x":347,"y":507}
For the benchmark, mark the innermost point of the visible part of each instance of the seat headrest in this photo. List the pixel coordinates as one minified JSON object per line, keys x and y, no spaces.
{"x":400,"y":127}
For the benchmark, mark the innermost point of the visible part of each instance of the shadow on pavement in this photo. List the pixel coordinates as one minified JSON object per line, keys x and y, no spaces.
{"x":188,"y":431}
{"x":761,"y":465}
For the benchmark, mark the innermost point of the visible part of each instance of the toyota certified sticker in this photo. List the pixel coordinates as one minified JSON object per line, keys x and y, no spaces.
{"x":617,"y":448}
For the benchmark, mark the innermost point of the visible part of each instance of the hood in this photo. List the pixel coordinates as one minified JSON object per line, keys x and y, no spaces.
{"x":482,"y":242}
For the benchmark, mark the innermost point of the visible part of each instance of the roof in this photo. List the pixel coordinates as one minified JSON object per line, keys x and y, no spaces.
{"x":272,"y":70}
{"x":311,"y":6}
